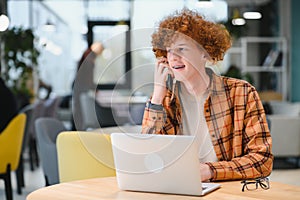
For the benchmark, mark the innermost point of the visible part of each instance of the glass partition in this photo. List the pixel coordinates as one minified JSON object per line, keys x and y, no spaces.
{"x":112,"y":67}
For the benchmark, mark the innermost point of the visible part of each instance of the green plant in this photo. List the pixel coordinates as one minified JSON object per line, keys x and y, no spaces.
{"x":235,"y":72}
{"x":20,"y":58}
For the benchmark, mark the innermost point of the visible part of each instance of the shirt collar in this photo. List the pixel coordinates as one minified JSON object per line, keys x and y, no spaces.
{"x":216,"y":85}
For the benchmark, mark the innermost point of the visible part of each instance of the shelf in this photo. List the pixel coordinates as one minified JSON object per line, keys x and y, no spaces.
{"x":262,"y":39}
{"x":247,"y":54}
{"x":235,"y":50}
{"x":263,"y":69}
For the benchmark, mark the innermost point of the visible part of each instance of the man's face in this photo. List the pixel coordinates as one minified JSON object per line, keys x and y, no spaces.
{"x":186,"y":58}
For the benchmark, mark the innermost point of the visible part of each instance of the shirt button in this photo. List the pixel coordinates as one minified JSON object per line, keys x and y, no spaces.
{"x":207,"y":110}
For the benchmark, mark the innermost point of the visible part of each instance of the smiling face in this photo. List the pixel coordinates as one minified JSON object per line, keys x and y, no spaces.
{"x":186,"y":59}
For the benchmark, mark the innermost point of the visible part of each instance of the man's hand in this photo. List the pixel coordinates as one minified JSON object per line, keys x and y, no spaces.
{"x":206,"y":172}
{"x":160,"y":76}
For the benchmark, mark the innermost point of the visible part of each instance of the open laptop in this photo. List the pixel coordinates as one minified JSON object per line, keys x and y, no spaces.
{"x":158,"y":163}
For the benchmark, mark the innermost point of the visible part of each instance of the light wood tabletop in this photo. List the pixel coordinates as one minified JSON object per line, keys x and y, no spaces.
{"x":106,"y":188}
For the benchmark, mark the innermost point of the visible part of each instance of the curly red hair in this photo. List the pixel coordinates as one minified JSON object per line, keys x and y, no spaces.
{"x":213,"y":37}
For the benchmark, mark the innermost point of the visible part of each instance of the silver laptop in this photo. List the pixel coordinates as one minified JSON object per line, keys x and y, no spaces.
{"x":158,"y":163}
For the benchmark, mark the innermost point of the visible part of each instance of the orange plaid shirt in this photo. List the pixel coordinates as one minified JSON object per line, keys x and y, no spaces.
{"x":236,"y":122}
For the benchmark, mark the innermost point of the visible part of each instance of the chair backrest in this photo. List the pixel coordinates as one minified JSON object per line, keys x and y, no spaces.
{"x":105,"y":116}
{"x":28,"y":110}
{"x":88,"y":112}
{"x":51,"y":106}
{"x":83,"y":155}
{"x":136,"y":113}
{"x":37,"y":112}
{"x":43,"y":108}
{"x":11,"y":142}
{"x":93,"y":114}
{"x":47,"y":130}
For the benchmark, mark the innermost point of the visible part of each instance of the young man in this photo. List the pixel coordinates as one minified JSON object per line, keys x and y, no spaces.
{"x":225,"y":114}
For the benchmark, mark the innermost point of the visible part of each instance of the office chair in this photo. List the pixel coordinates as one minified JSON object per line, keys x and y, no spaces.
{"x":38,"y":111}
{"x":47,"y":129}
{"x":11,"y":146}
{"x":93,"y":114}
{"x":83,"y":155}
{"x":28,"y":110}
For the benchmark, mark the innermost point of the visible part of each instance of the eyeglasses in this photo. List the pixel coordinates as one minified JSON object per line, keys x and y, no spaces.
{"x":253,"y":184}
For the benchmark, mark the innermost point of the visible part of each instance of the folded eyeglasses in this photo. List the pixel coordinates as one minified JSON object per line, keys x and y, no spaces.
{"x":253,"y":184}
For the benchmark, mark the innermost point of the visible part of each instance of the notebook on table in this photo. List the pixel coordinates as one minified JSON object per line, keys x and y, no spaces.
{"x":158,"y":163}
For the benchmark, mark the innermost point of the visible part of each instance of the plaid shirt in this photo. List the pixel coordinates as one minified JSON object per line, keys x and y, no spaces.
{"x":236,"y":122}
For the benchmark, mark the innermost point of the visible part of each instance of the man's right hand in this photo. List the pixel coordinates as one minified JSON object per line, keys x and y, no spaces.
{"x":161,"y":72}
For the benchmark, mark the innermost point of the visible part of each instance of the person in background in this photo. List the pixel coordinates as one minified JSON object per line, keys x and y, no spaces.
{"x":84,"y":80}
{"x":46,"y":87}
{"x":8,"y":105}
{"x":224,"y":114}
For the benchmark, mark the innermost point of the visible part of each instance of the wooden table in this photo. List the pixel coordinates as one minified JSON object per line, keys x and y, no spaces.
{"x":126,"y":107}
{"x":108,"y":101}
{"x":113,"y":98}
{"x":106,"y":188}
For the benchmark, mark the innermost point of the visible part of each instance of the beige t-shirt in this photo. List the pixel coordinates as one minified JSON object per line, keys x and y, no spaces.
{"x":194,"y":123}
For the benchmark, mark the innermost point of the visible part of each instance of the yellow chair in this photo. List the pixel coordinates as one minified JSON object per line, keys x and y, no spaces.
{"x":84,"y":155}
{"x":10,"y":150}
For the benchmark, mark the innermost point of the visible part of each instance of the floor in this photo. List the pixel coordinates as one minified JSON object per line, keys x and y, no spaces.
{"x":34,"y":180}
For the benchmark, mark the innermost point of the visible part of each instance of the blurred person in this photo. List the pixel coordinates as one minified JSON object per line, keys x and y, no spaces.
{"x":8,"y":105}
{"x":224,"y":114}
{"x":84,"y":80}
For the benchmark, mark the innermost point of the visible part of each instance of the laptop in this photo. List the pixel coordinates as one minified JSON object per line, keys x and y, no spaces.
{"x":158,"y":163}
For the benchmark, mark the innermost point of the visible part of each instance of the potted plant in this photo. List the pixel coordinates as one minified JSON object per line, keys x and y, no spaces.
{"x":235,"y":72}
{"x":20,"y":59}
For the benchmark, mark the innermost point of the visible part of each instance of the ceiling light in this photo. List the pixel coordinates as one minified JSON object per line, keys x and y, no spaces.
{"x":252,"y":15}
{"x":4,"y":22}
{"x":238,"y":21}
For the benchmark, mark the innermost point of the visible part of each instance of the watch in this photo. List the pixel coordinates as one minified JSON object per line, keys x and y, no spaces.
{"x":155,"y":106}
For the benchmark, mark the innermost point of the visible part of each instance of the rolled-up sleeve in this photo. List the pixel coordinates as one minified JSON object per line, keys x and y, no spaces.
{"x":246,"y":152}
{"x":153,"y":120}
